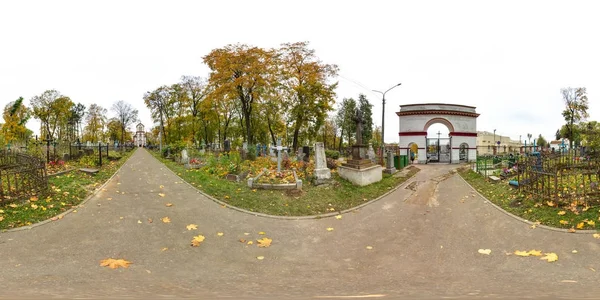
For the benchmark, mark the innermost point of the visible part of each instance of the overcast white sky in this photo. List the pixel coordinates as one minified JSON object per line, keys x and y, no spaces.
{"x":508,"y":58}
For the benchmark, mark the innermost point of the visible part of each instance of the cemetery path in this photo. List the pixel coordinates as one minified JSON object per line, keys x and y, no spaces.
{"x":424,"y":241}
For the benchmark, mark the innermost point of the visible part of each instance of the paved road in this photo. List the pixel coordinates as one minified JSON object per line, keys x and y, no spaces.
{"x":424,"y":239}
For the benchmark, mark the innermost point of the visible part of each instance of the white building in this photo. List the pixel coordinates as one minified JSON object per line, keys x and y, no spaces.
{"x":487,"y":144}
{"x":140,"y":136}
{"x":557,"y":145}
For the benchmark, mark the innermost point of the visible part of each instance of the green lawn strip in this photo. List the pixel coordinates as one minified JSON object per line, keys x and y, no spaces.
{"x":530,"y":208}
{"x":65,"y":191}
{"x":312,"y":200}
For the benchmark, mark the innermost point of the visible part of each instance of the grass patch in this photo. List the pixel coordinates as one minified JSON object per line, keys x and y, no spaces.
{"x":532,"y":209}
{"x":312,"y":200}
{"x":65,"y":192}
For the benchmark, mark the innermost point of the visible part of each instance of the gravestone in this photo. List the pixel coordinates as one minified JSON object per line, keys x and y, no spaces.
{"x":306,"y":151}
{"x":299,"y":155}
{"x":244,"y":152}
{"x":371,"y":153}
{"x":389,"y":164}
{"x":66,"y":157}
{"x":280,"y":149}
{"x":185,"y":159}
{"x":227,"y":145}
{"x":322,"y":173}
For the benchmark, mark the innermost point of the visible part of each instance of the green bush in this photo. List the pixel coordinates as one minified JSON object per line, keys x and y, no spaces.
{"x":89,"y":160}
{"x":332,"y":154}
{"x":251,"y":152}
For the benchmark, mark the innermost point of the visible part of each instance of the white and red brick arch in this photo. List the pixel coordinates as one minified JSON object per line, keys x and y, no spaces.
{"x":461,"y":121}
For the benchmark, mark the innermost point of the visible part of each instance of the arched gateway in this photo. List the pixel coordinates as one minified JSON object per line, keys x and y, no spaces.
{"x":461,"y":121}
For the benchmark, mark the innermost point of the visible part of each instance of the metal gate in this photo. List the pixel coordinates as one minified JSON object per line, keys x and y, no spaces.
{"x":438,"y":150}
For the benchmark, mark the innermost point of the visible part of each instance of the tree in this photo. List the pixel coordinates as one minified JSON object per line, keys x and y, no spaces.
{"x":96,"y":120}
{"x":113,"y":129}
{"x":242,"y":73}
{"x":126,"y":115}
{"x":344,"y":121}
{"x":366,"y":109}
{"x":196,"y":89}
{"x":16,"y":115}
{"x":158,"y":101}
{"x":529,"y":138}
{"x":576,"y":106}
{"x":590,"y":132}
{"x":541,"y":141}
{"x":557,"y":135}
{"x":304,"y":80}
{"x":76,"y":115}
{"x":52,"y":109}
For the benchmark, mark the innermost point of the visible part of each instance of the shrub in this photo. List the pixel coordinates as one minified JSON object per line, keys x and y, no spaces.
{"x":89,"y":161}
{"x":332,"y":154}
{"x":332,"y":163}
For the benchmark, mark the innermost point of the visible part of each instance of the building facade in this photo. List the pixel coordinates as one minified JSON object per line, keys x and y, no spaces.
{"x":140,"y":136}
{"x":489,"y":143}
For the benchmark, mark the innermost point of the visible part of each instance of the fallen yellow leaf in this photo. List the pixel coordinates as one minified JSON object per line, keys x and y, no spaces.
{"x":166,"y":220}
{"x":521,"y":253}
{"x":162,"y":186}
{"x":250,"y":243}
{"x":338,"y":217}
{"x":369,"y":248}
{"x":161,"y":194}
{"x":264,"y":242}
{"x":596,"y":235}
{"x":562,"y":212}
{"x":33,"y":198}
{"x":330,"y":229}
{"x":197,"y":240}
{"x":114,"y":263}
{"x":591,"y":222}
{"x":219,"y":233}
{"x":564,"y":222}
{"x":192,"y":227}
{"x":550,"y":257}
{"x":580,"y":225}
{"x":572,"y":230}
{"x":535,"y":252}
{"x":242,"y":241}
{"x":260,"y":257}
{"x":485,"y":251}
{"x":550,"y":203}
{"x":261,"y":232}
{"x":169,"y":204}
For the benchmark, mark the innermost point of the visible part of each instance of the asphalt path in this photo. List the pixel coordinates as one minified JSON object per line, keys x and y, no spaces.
{"x":420,"y":241}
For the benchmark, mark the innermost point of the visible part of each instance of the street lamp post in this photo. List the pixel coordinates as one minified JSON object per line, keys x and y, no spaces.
{"x":383,"y":119}
{"x":494,"y":142}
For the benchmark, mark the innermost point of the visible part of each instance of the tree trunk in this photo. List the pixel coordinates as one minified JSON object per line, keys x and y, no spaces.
{"x":341,"y":140}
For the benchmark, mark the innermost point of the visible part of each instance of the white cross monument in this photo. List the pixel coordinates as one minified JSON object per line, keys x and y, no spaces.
{"x":279,"y":148}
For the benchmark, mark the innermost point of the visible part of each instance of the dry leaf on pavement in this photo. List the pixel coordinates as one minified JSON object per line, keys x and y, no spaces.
{"x":166,"y":220}
{"x":161,"y":194}
{"x":169,"y":204}
{"x":596,"y":235}
{"x":485,"y":251}
{"x":197,"y":240}
{"x":330,"y":229}
{"x":192,"y":227}
{"x":114,"y":263}
{"x":260,"y":257}
{"x":264,"y":242}
{"x":219,"y":233}
{"x":338,"y":217}
{"x":550,"y":257}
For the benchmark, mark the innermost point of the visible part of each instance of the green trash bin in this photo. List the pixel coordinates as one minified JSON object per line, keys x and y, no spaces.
{"x":396,"y":161}
{"x":403,"y":161}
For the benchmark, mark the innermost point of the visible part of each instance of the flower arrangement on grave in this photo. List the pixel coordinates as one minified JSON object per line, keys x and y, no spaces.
{"x":56,"y":166}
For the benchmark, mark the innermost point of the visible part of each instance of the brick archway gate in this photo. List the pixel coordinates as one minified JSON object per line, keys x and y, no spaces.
{"x":461,"y":120}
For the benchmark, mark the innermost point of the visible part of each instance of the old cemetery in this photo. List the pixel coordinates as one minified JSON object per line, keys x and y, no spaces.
{"x":274,"y":179}
{"x":557,"y":188}
{"x":42,"y":179}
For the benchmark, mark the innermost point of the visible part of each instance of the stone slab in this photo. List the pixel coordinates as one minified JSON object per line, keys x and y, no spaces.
{"x":89,"y":171}
{"x":361,"y":177}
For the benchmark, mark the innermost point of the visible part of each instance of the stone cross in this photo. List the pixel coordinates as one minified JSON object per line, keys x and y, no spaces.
{"x":184,"y":156}
{"x":279,"y":148}
{"x":359,"y":123}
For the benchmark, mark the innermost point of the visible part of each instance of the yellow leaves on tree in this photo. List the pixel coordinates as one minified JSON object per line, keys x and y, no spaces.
{"x":114,"y":263}
{"x":264,"y":242}
{"x":197,"y":240}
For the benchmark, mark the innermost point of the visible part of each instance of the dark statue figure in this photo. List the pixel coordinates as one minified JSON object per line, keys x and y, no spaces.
{"x":359,"y":123}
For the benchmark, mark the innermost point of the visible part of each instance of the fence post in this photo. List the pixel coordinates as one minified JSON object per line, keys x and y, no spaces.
{"x":100,"y":152}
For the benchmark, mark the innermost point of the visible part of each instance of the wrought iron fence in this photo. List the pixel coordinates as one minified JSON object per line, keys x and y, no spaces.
{"x":21,"y":175}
